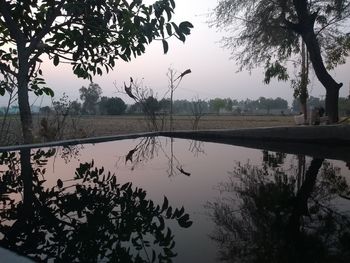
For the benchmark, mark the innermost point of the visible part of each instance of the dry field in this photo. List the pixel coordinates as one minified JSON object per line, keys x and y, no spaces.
{"x":91,"y":126}
{"x":102,"y":125}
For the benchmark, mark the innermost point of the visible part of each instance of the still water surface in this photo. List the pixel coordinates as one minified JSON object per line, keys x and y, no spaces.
{"x":240,"y":204}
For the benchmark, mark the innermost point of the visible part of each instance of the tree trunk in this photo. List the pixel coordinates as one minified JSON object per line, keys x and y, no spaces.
{"x":331,"y":86}
{"x":304,"y":81}
{"x":27,"y":179}
{"x":332,"y":97}
{"x":305,"y":28}
{"x":23,"y":102}
{"x":301,"y":200}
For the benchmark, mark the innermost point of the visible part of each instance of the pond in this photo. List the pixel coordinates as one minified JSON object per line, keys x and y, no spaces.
{"x":158,"y":199}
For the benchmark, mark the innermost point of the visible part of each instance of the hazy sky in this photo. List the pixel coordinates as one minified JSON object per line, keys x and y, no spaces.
{"x":213,"y":73}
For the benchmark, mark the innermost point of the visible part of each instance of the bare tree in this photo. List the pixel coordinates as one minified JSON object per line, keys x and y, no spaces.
{"x":197,"y":110}
{"x":174,"y":82}
{"x":147,"y":100}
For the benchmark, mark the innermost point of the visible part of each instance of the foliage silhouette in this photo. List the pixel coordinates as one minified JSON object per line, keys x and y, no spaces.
{"x":275,"y":220}
{"x":112,"y":106}
{"x":89,"y":35}
{"x":90,"y":97}
{"x":91,"y":218}
{"x":268,"y":32}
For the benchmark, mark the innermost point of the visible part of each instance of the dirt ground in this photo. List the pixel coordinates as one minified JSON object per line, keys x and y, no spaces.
{"x":92,"y":126}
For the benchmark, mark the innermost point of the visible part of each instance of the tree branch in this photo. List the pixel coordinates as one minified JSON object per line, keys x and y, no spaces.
{"x":46,"y":29}
{"x":15,"y":32}
{"x":7,"y":69}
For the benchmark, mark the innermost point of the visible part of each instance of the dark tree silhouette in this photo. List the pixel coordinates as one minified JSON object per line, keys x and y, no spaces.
{"x":89,"y":35}
{"x":265,"y":216}
{"x":88,"y":219}
{"x":268,"y":32}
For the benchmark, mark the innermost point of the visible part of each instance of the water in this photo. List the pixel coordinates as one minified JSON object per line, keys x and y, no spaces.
{"x":240,"y":204}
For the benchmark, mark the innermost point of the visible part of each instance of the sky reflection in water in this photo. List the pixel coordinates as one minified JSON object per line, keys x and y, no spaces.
{"x":237,"y":198}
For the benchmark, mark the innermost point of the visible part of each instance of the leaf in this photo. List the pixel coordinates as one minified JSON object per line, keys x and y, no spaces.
{"x":169,"y":212}
{"x":165,"y":204}
{"x":185,"y":222}
{"x":56,"y":60}
{"x":169,"y":29}
{"x":178,"y":213}
{"x":172,"y":2}
{"x":59,"y":183}
{"x":182,"y":37}
{"x":185,"y":24}
{"x":48,"y":92}
{"x":99,"y":71}
{"x":165,"y":46}
{"x":185,"y":27}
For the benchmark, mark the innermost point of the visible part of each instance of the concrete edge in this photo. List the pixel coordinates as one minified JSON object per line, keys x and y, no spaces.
{"x":91,"y":140}
{"x":325,"y":135}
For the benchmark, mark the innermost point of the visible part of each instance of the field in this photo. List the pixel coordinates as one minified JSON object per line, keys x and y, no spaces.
{"x":131,"y":124}
{"x":91,"y":126}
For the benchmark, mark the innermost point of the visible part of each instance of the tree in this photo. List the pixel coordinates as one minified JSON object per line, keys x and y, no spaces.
{"x":228,"y":104}
{"x":151,"y":105}
{"x":216,"y":104}
{"x":300,"y":84}
{"x":90,"y":97}
{"x":182,"y":107}
{"x":312,"y":102}
{"x":269,"y":34}
{"x":112,"y":106}
{"x":198,"y":108}
{"x":145,"y":102}
{"x":164,"y":104}
{"x":108,"y":221}
{"x":174,"y":82}
{"x":90,"y":35}
{"x":272,"y":215}
{"x":344,"y":106}
{"x":45,"y":110}
{"x":75,"y":108}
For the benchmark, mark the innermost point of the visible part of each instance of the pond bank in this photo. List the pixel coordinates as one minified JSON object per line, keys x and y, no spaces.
{"x":331,"y":141}
{"x":326,"y":135}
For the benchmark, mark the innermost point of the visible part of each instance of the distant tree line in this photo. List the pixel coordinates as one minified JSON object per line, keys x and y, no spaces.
{"x":312,"y":102}
{"x":92,"y":103}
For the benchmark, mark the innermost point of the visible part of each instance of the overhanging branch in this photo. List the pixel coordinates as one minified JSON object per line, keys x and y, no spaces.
{"x":15,"y":32}
{"x":46,"y":29}
{"x":7,"y":69}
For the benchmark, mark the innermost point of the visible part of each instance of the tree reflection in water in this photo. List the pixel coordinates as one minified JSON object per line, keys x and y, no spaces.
{"x":90,"y":218}
{"x":149,"y":148}
{"x":269,"y":216}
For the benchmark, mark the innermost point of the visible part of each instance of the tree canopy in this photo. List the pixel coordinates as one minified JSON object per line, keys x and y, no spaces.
{"x":266,"y":33}
{"x":91,"y":35}
{"x":90,"y":97}
{"x":112,"y":106}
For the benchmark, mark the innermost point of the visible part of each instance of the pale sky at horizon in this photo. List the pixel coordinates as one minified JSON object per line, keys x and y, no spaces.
{"x":213,"y":73}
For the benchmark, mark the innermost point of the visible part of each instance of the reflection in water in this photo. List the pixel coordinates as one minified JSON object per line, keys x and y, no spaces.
{"x":269,"y":216}
{"x":149,"y":147}
{"x":69,"y":152}
{"x":89,"y":218}
{"x":280,"y":211}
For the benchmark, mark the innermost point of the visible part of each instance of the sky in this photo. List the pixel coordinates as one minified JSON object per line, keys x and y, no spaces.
{"x":213,"y":75}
